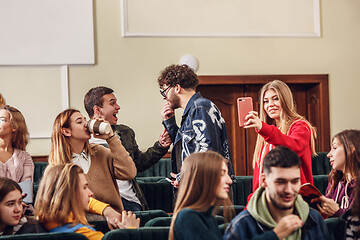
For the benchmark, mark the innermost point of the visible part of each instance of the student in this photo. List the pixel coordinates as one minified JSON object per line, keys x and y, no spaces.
{"x":69,"y":143}
{"x":205,"y":183}
{"x":276,"y":211}
{"x":202,"y":125}
{"x":100,"y":102}
{"x":344,"y":154}
{"x":15,"y":163}
{"x":64,"y":197}
{"x":11,"y":207}
{"x":280,"y":124}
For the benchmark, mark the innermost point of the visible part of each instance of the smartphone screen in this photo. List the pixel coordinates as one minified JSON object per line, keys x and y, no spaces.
{"x":245,"y":105}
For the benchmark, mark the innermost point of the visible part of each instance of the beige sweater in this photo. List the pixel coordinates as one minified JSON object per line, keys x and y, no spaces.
{"x":106,"y":166}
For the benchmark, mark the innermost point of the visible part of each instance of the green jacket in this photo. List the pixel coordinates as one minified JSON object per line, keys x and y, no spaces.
{"x":142,"y":160}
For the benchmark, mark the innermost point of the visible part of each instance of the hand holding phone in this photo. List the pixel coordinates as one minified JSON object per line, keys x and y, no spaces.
{"x":245,"y":106}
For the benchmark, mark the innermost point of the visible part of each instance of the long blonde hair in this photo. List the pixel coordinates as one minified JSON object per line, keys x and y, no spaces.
{"x":59,"y":194}
{"x":20,"y":137}
{"x":60,"y":151}
{"x":200,"y":176}
{"x":287,"y":117}
{"x":2,"y":100}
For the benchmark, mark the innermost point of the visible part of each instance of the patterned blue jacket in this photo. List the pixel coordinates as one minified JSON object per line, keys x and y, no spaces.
{"x":202,"y":129}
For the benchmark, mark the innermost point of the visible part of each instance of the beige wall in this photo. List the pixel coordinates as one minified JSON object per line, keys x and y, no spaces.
{"x":131,"y":66}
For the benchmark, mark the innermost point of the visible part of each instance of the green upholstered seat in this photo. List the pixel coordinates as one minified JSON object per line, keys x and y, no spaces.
{"x":166,"y":221}
{"x":159,"y":222}
{"x":145,"y":216}
{"x":336,"y":228}
{"x":320,"y":164}
{"x":160,"y":169}
{"x":150,"y":179}
{"x":38,"y":172}
{"x":321,"y":182}
{"x":45,"y":236}
{"x":237,"y":208}
{"x":148,"y":233}
{"x":158,"y":195}
{"x":242,"y":188}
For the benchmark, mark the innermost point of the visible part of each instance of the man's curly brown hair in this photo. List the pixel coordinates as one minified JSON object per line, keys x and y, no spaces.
{"x":178,"y":74}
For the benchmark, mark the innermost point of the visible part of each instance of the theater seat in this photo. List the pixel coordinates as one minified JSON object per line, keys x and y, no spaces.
{"x":146,"y":216}
{"x":320,"y":164}
{"x":321,"y":182}
{"x":148,"y":233}
{"x":336,"y":228}
{"x":160,"y":169}
{"x":38,"y":173}
{"x":242,"y":188}
{"x":158,"y":195}
{"x":159,"y":222}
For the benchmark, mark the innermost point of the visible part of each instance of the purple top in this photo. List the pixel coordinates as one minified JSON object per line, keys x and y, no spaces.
{"x":345,"y":195}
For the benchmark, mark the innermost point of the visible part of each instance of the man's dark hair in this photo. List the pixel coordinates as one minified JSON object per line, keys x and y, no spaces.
{"x":281,"y":157}
{"x":178,"y":74}
{"x":94,"y":98}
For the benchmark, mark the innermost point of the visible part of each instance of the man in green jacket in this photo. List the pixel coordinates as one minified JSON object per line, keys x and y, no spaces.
{"x":100,"y":102}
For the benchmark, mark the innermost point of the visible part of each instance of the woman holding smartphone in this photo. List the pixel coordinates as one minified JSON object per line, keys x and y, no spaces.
{"x":280,"y":124}
{"x":345,"y":160}
{"x":205,"y":184}
{"x":69,"y":144}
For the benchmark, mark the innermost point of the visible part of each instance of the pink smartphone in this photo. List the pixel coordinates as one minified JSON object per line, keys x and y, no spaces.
{"x":245,"y":106}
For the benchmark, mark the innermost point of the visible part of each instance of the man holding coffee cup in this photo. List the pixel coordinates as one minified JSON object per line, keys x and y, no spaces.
{"x":101,"y":103}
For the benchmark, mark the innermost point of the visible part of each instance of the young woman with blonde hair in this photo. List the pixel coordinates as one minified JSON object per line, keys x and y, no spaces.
{"x":69,"y":143}
{"x":280,"y":124}
{"x":15,"y":163}
{"x":64,"y":197}
{"x":205,"y":184}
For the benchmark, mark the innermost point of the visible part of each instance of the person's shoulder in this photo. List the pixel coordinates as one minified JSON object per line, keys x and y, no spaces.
{"x":187,"y":212}
{"x":202,"y":101}
{"x":315,"y":215}
{"x":188,"y":217}
{"x":300,"y":122}
{"x":122,"y":128}
{"x":243,"y":216}
{"x":21,"y":154}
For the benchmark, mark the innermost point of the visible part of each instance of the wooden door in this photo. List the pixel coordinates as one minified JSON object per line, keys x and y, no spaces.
{"x":311,"y":97}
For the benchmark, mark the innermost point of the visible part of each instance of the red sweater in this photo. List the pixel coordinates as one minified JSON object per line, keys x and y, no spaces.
{"x":298,"y":139}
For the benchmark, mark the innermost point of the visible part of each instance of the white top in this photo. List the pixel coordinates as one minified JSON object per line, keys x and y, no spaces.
{"x":82,"y":160}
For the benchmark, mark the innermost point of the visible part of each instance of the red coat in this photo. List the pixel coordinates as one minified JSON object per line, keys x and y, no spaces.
{"x":298,"y":139}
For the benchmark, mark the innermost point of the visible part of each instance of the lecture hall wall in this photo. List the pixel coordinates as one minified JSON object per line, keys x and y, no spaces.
{"x":131,"y":66}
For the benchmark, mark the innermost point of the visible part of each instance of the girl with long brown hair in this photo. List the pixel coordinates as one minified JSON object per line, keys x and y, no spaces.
{"x":345,"y":160}
{"x":64,"y":197}
{"x":15,"y":162}
{"x":280,"y":124}
{"x":205,"y":184}
{"x":69,"y":144}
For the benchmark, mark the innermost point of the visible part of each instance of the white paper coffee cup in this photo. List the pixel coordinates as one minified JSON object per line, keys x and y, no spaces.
{"x":95,"y":126}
